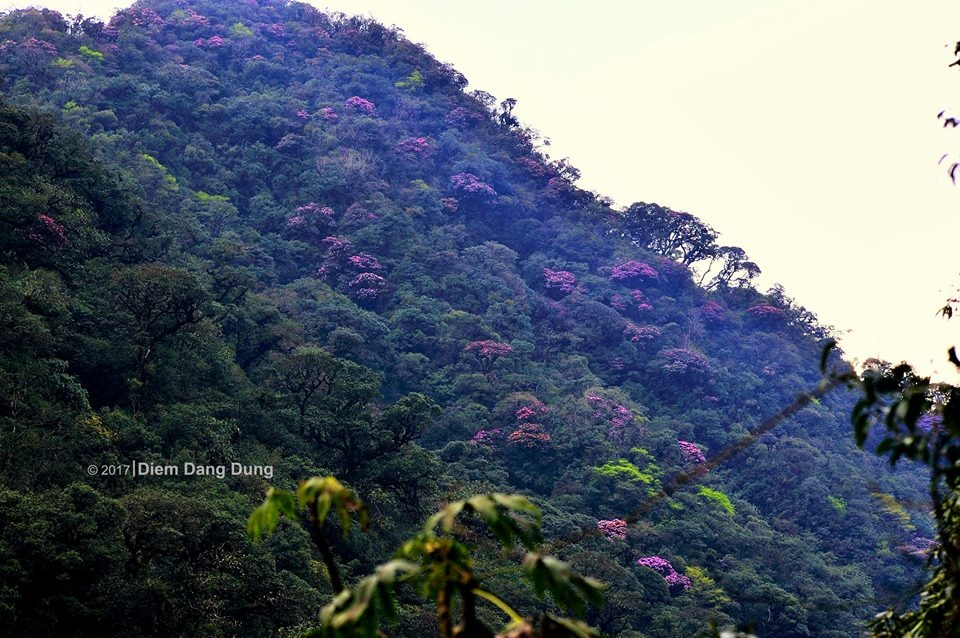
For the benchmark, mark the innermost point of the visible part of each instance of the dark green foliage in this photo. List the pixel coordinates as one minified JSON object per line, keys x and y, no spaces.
{"x":210,"y":253}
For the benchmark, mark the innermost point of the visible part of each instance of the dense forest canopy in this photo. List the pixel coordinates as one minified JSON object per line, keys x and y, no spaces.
{"x":251,"y":235}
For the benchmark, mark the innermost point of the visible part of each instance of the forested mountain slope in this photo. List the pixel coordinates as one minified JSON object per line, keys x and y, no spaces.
{"x":252,"y":233}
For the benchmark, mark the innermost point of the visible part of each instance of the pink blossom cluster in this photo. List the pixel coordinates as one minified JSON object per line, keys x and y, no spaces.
{"x":470,"y":183}
{"x":530,"y":410}
{"x":138,"y":17}
{"x":920,"y":547}
{"x":213,"y":42}
{"x":358,"y":214}
{"x":663,"y":567}
{"x":366,"y":285}
{"x":413,"y":145}
{"x":529,"y":435}
{"x":50,"y":229}
{"x":312,"y":213}
{"x":276,"y":30}
{"x":619,"y":302}
{"x":614,"y":529}
{"x":34,"y":44}
{"x":337,"y":251}
{"x":556,"y":186}
{"x":487,"y":437}
{"x":303,"y":114}
{"x":671,"y":269}
{"x":328,"y":113}
{"x":357,"y":103}
{"x":691,"y":453}
{"x":449,"y":204}
{"x":363,"y":261}
{"x":770,"y":370}
{"x":641,"y":334}
{"x":191,"y":17}
{"x":617,"y":416}
{"x":462,"y":117}
{"x":712,"y":312}
{"x":765,"y":311}
{"x":316,"y":210}
{"x":683,"y":361}
{"x":561,"y":280}
{"x":640,"y":299}
{"x":632,"y":269}
{"x":532,"y":166}
{"x":487,"y":348}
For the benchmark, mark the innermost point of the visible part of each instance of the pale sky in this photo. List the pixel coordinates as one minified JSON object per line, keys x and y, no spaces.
{"x":804,"y":131}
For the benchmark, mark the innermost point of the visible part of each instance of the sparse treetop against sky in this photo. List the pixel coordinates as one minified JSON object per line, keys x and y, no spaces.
{"x":804,"y":131}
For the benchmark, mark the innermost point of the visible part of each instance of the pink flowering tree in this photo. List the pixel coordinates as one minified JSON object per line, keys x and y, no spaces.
{"x":713,"y":314}
{"x":684,"y":362}
{"x":310,"y":219}
{"x":561,"y":281}
{"x":641,"y":335}
{"x":213,"y":42}
{"x":137,"y":16}
{"x":417,"y":146}
{"x":488,"y":437}
{"x":463,"y":118}
{"x":632,"y":271}
{"x":366,"y":286}
{"x":338,"y":250}
{"x":617,"y":417}
{"x":364,"y":262}
{"x":327,"y":113}
{"x":766,"y":315}
{"x":529,"y":435}
{"x":449,"y":204}
{"x":691,"y":453}
{"x":530,"y":411}
{"x":48,"y":231}
{"x":357,"y":215}
{"x":675,"y":581}
{"x":470,"y":185}
{"x":360,"y":105}
{"x":613,"y":529}
{"x":487,"y":352}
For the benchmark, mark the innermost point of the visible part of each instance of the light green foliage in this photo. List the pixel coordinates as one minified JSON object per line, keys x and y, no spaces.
{"x":705,"y":585}
{"x":240,"y":30}
{"x":62,"y":63}
{"x":717,"y":497}
{"x":207,"y":197}
{"x":87,"y":52}
{"x":838,"y":503}
{"x":169,"y":179}
{"x":623,"y":469}
{"x":412,"y":83}
{"x":895,"y":510}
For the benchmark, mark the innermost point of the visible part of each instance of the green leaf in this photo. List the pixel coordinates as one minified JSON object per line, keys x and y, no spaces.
{"x":264,"y":519}
{"x":569,"y":589}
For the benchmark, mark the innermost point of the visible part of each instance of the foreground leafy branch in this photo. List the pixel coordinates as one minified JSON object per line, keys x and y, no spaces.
{"x":438,"y":562}
{"x":907,"y":416}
